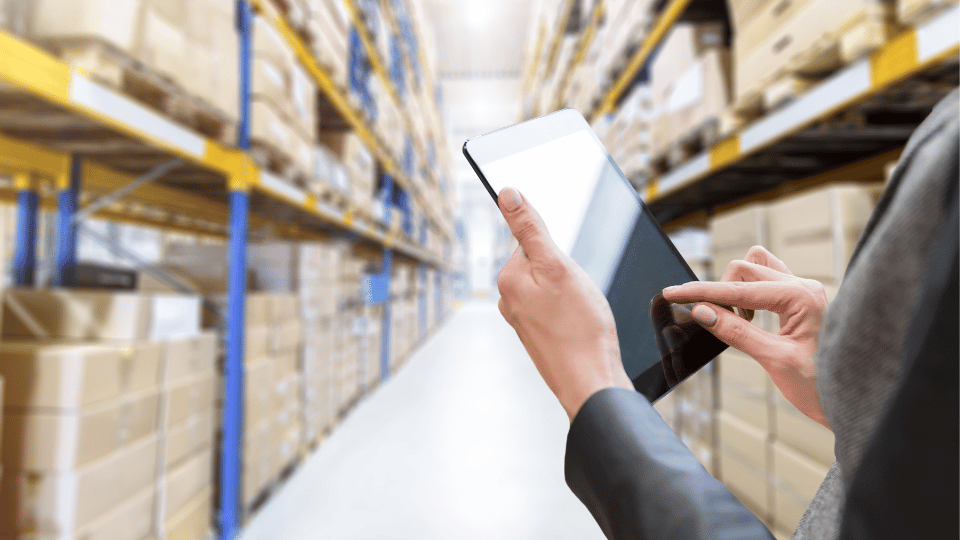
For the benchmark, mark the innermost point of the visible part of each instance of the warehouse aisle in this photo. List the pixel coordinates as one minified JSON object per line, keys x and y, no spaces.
{"x":466,"y":442}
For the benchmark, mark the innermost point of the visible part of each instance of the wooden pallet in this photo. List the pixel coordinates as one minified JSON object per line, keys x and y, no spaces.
{"x":115,"y":68}
{"x":278,"y":162}
{"x":830,"y":53}
{"x":270,"y":489}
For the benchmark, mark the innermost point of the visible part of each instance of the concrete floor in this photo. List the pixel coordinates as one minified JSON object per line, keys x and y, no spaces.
{"x":465,"y":442}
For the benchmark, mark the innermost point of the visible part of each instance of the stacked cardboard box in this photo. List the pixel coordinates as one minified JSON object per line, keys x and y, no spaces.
{"x":814,"y":233}
{"x":273,"y":430}
{"x":192,"y":44}
{"x":361,"y":168}
{"x":284,"y":109}
{"x":628,"y":136}
{"x":690,"y":84}
{"x":770,"y":37}
{"x":119,"y":392}
{"x":329,"y":24}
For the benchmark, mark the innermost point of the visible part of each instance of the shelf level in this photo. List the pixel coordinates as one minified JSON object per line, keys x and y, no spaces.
{"x":908,"y":57}
{"x":142,"y":139}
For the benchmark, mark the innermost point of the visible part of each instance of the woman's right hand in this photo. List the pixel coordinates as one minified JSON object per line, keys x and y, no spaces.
{"x":763,"y":282}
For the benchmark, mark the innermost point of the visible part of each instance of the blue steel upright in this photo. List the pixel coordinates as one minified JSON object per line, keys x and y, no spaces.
{"x":387,"y":271}
{"x":25,"y":251}
{"x":66,"y":255}
{"x":231,"y":449}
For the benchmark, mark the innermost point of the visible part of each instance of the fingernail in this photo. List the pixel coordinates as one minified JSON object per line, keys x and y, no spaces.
{"x":671,"y":289}
{"x":509,"y":199}
{"x":704,"y":315}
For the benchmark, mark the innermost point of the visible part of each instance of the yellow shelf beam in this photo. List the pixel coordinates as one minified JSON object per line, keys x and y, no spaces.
{"x":670,"y":15}
{"x":906,"y":56}
{"x":586,"y":39}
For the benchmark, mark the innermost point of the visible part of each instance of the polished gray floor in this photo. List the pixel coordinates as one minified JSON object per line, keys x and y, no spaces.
{"x":465,"y":442}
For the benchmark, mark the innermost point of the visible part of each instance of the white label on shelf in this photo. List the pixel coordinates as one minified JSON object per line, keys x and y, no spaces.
{"x":683,"y":174}
{"x":938,"y":35}
{"x":836,"y":90}
{"x":277,"y":185}
{"x":118,"y":107}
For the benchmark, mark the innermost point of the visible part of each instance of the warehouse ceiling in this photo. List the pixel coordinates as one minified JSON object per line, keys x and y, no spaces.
{"x":480,"y":46}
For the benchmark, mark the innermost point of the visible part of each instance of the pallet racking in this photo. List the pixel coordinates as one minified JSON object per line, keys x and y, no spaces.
{"x":824,"y":134}
{"x":66,"y":133}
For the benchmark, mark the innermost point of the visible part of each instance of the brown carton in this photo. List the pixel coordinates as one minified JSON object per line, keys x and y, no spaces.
{"x":189,"y":396}
{"x":182,"y":484}
{"x":796,"y":479}
{"x":783,"y":30}
{"x":814,"y":233}
{"x":744,"y":462}
{"x":192,"y":356}
{"x":68,"y":376}
{"x":194,"y":520}
{"x":187,"y":438}
{"x":61,"y":440}
{"x":91,"y":315}
{"x":801,"y":433}
{"x":133,"y":519}
{"x":65,"y":501}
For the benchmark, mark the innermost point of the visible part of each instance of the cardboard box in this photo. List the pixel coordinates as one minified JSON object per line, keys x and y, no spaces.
{"x":67,"y":376}
{"x":744,"y":462}
{"x":131,"y":520}
{"x":797,"y":479}
{"x":782,"y":30}
{"x":65,"y":501}
{"x":739,"y":370}
{"x":190,"y":437}
{"x":187,"y":397}
{"x":194,"y":520}
{"x":259,"y":393}
{"x":801,"y":433}
{"x":814,"y":233}
{"x":117,"y":23}
{"x":182,"y":484}
{"x":739,"y":230}
{"x":743,"y":11}
{"x":194,"y":356}
{"x":286,"y":337}
{"x":287,"y":364}
{"x":49,"y":440}
{"x":257,"y":342}
{"x":93,"y":315}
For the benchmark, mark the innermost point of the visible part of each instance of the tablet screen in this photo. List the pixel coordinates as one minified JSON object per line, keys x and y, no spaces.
{"x":594,"y":215}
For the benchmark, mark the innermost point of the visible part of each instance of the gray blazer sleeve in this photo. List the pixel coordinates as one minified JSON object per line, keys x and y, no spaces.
{"x":640,"y":482}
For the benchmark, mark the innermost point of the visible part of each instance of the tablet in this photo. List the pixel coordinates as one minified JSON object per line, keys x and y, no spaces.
{"x":594,"y":215}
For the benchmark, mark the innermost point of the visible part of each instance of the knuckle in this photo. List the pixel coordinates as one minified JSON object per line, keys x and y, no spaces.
{"x":757,"y":252}
{"x":736,"y":334}
{"x":526,"y":226}
{"x":554,"y":268}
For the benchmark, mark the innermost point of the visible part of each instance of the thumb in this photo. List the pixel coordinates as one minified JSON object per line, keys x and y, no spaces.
{"x":526,"y":224}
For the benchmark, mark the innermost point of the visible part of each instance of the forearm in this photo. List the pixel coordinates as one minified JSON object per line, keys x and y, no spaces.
{"x":640,"y":482}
